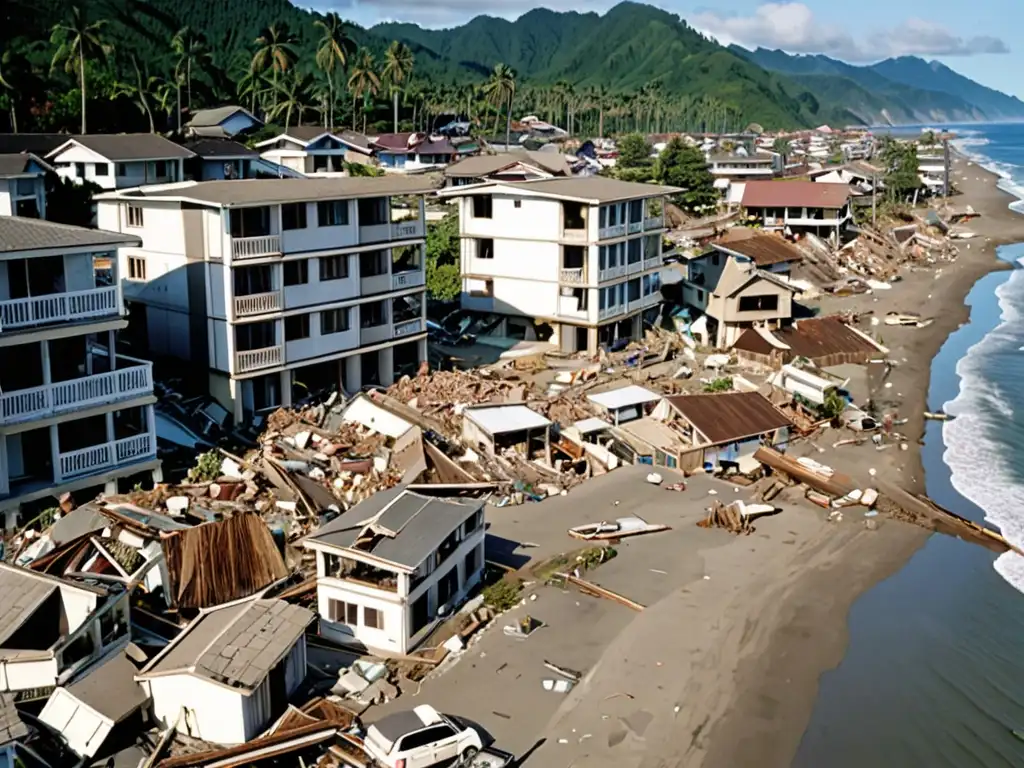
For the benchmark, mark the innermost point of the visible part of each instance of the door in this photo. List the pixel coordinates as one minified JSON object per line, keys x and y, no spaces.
{"x":446,"y":743}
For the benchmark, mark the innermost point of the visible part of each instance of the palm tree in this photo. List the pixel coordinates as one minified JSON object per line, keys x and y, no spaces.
{"x":398,"y":63}
{"x":333,"y":53}
{"x":363,"y":81}
{"x":251,"y":85}
{"x":164,"y":97}
{"x":192,"y":50}
{"x":500,"y":89}
{"x":598,"y":98}
{"x":781,"y":147}
{"x":78,"y":40}
{"x":294,"y":98}
{"x":139,"y":91}
{"x":275,"y":50}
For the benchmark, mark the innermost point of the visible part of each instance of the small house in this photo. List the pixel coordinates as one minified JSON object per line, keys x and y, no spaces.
{"x":391,"y":566}
{"x":219,"y":159}
{"x":626,"y":403}
{"x":316,"y":151}
{"x":223,"y":122}
{"x":824,"y":341}
{"x":23,"y":185}
{"x":799,"y":206}
{"x":768,"y":251}
{"x":122,"y":160}
{"x":507,"y":166}
{"x":412,"y":151}
{"x":494,"y":428}
{"x":232,"y":670}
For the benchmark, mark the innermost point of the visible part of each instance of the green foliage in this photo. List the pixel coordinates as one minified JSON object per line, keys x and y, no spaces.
{"x":833,"y":406}
{"x":363,"y":170}
{"x":444,"y":281}
{"x":781,"y":147}
{"x":503,"y":595}
{"x":900,"y":161}
{"x":680,"y":165}
{"x":634,"y":152}
{"x":207,"y":468}
{"x":723,"y":384}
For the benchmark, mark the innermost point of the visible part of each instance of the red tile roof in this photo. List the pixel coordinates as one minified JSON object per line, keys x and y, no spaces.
{"x":794,"y":194}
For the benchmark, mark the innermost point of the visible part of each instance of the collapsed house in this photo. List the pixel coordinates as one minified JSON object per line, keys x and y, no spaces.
{"x":824,"y":341}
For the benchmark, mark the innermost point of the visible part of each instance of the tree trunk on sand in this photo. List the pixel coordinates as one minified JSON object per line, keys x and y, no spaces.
{"x":394,"y":106}
{"x":81,"y":80}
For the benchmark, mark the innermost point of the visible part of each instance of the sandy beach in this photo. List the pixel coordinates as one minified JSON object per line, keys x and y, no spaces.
{"x":721,"y":668}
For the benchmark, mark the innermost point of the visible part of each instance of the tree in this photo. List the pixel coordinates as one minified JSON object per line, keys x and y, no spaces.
{"x":78,"y":40}
{"x":139,"y":91}
{"x":364,"y":82}
{"x":275,"y":51}
{"x":900,"y":161}
{"x":680,"y":165}
{"x":781,"y":147}
{"x":444,"y":282}
{"x":332,"y":53}
{"x":634,"y":151}
{"x":192,"y":51}
{"x":398,"y":62}
{"x":499,"y":90}
{"x":69,"y":202}
{"x":293,"y":98}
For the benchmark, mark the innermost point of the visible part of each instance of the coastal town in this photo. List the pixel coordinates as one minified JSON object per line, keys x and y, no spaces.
{"x":521,"y":439}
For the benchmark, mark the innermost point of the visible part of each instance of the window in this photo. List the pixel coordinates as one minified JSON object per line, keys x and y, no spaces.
{"x":122,"y":169}
{"x":80,"y":170}
{"x":715,"y":258}
{"x":346,"y":613}
{"x":332,"y":213}
{"x":27,"y":209}
{"x":333,"y":268}
{"x":293,"y":216}
{"x":373,"y":618}
{"x":517,"y":204}
{"x":296,"y":272}
{"x":473,"y":523}
{"x":485,"y":249}
{"x":134,"y":216}
{"x":448,"y":586}
{"x":472,"y":562}
{"x":333,"y":321}
{"x":136,"y":268}
{"x":758,"y":303}
{"x":372,"y":314}
{"x":296,"y":327}
{"x":160,"y":168}
{"x":373,"y":263}
{"x":700,"y":295}
{"x":482,"y":206}
{"x":102,"y":169}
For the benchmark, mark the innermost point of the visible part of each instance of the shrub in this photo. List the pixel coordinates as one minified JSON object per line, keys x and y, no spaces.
{"x":503,"y":595}
{"x":207,"y":468}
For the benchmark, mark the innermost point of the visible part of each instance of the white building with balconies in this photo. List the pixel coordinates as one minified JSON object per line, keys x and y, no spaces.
{"x":73,"y":413}
{"x":278,"y":286}
{"x":581,"y":254}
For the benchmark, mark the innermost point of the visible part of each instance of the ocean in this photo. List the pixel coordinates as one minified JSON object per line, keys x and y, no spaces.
{"x":934,"y":671}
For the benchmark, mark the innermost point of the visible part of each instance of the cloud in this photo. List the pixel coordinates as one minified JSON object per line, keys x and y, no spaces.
{"x":793,"y":27}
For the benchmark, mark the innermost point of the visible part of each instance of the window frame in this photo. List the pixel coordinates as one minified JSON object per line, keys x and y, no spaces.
{"x":135,"y":221}
{"x":302,"y":265}
{"x":303,"y":321}
{"x":326,"y":209}
{"x":136,"y":268}
{"x":334,"y":327}
{"x":327,"y":275}
{"x":301,"y":217}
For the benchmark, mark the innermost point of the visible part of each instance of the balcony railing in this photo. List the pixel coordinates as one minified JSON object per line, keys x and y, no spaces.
{"x":610,"y":273}
{"x":654,"y":222}
{"x":374,"y":334}
{"x":635,"y":226}
{"x":58,"y":307}
{"x":635,"y":266}
{"x":572,"y":276}
{"x":98,"y":457}
{"x":403,"y":230}
{"x":654,"y":261}
{"x":255,"y":247}
{"x":411,"y":279}
{"x":574,"y":235}
{"x":408,"y":328}
{"x":65,"y":396}
{"x":254,"y":359}
{"x":617,"y":230}
{"x":610,"y":311}
{"x":258,"y":303}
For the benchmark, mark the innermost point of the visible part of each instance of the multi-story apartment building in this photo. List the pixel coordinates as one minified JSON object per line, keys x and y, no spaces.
{"x":581,"y":254}
{"x":73,"y":413}
{"x":23,"y":186}
{"x":270,"y":284}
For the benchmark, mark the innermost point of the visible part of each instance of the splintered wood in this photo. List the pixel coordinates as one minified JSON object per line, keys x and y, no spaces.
{"x":727,"y":517}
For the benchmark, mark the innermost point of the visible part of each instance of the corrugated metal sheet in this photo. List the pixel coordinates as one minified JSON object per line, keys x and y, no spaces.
{"x":824,"y":340}
{"x":763,"y":248}
{"x":727,"y":417}
{"x":216,"y":563}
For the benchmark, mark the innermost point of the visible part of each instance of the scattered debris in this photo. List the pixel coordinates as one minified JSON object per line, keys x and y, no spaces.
{"x":618,"y":529}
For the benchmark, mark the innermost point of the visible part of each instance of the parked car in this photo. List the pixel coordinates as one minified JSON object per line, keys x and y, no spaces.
{"x":421,"y":737}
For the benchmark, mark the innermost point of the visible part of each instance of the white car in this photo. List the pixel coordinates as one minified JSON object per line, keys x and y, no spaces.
{"x":421,"y":737}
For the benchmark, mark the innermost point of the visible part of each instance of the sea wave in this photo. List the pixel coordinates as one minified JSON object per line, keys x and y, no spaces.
{"x":976,"y":457}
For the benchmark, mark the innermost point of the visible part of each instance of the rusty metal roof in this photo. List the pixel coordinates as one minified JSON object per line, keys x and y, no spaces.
{"x":811,"y":338}
{"x":726,"y":417}
{"x":763,"y":248}
{"x":216,"y":563}
{"x":794,"y":194}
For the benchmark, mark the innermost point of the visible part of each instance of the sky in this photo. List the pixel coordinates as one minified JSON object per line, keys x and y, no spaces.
{"x":978,"y":39}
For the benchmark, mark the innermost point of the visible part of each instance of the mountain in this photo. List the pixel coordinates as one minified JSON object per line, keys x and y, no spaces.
{"x":935,"y":76}
{"x":904,"y":90}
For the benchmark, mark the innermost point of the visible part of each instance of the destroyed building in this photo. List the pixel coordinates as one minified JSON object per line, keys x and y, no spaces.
{"x":824,"y":341}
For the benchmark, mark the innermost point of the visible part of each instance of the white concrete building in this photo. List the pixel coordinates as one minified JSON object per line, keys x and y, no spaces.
{"x":390,"y":566}
{"x":117,"y":161}
{"x":268,"y":283}
{"x":23,"y":186}
{"x":313,"y":150}
{"x":73,"y":413}
{"x":232,"y":670}
{"x":581,"y":254}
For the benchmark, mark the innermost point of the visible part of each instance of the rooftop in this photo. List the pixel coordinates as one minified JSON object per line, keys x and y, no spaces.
{"x":236,"y":645}
{"x":499,"y":419}
{"x":794,"y":194}
{"x":407,"y":526}
{"x":624,"y":396}
{"x":754,"y":159}
{"x":243,"y":192}
{"x":763,"y":248}
{"x":20,"y":597}
{"x":205,"y":118}
{"x":119,"y":147}
{"x":110,"y":688}
{"x":594,"y":190}
{"x":726,"y":417}
{"x":304,"y":133}
{"x":20,"y":164}
{"x":485,"y":165}
{"x":12,"y":727}
{"x":812,"y":338}
{"x":22,"y":234}
{"x":214,"y":148}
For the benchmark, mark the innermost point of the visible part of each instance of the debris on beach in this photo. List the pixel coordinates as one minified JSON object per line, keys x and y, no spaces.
{"x":620,"y":528}
{"x":592,"y":589}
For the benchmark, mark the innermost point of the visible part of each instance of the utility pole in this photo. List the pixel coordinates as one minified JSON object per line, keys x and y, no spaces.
{"x":945,"y":168}
{"x":874,"y":197}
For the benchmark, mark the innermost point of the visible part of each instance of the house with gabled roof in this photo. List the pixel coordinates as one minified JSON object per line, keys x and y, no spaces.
{"x":799,"y":206}
{"x":116,"y":161}
{"x":313,"y":150}
{"x":219,"y":159}
{"x":412,"y":152}
{"x":507,"y":166}
{"x":23,"y":185}
{"x":222,"y":122}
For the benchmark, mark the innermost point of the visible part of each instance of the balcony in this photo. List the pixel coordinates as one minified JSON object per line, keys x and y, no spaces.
{"x":411,"y":279}
{"x":58,"y":307}
{"x":106,"y":455}
{"x":574,"y":235}
{"x":403,"y":230}
{"x":610,"y":273}
{"x":607,"y":312}
{"x":408,"y":328}
{"x":255,"y":359}
{"x":634,"y":267}
{"x":255,"y":247}
{"x":258,"y":303}
{"x":374,"y":334}
{"x":651,"y":263}
{"x":88,"y":391}
{"x":654,"y":222}
{"x":617,"y":230}
{"x":635,"y":226}
{"x":375,"y":233}
{"x":569,"y":306}
{"x":572,"y":276}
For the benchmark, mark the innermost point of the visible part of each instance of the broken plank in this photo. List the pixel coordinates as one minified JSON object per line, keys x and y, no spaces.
{"x":587,"y":586}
